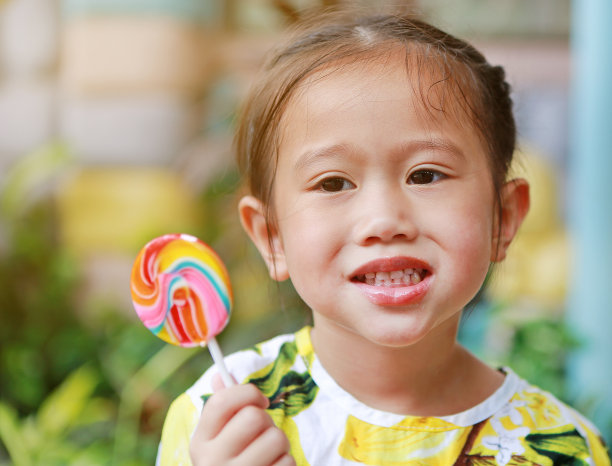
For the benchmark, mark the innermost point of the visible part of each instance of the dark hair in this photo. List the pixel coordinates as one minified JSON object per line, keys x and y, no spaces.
{"x":478,"y":89}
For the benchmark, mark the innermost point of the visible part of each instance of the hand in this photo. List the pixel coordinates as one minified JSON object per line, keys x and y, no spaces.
{"x":235,"y":430}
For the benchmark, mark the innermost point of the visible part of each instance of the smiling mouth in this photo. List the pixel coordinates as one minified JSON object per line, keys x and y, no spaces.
{"x":402,"y":277}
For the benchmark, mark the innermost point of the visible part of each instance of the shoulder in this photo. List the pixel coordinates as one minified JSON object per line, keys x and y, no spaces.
{"x":547,"y":427}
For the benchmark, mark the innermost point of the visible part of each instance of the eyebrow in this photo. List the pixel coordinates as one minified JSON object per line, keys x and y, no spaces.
{"x":311,"y":157}
{"x":435,"y":143}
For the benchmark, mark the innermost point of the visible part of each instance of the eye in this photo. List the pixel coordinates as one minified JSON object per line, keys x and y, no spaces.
{"x":335,"y":184}
{"x":426,"y":176}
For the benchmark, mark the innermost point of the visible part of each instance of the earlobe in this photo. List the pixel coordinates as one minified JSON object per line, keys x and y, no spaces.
{"x":514,"y":208}
{"x":264,"y":235}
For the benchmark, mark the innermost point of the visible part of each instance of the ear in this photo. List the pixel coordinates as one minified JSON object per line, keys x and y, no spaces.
{"x":514,"y":208}
{"x":264,"y":235}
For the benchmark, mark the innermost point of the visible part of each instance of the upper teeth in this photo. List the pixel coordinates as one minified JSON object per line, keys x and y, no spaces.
{"x":396,"y":277}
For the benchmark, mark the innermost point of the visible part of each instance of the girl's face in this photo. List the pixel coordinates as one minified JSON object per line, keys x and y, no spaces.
{"x":385,"y":218}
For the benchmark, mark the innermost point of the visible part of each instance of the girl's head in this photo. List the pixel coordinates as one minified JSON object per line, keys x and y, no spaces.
{"x":376,"y":151}
{"x":451,"y":78}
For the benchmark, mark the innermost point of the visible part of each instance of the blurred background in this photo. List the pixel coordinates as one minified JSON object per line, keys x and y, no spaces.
{"x":116,"y":119}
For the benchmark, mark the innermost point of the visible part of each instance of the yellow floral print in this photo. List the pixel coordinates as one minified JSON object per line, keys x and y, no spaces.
{"x":413,"y":441}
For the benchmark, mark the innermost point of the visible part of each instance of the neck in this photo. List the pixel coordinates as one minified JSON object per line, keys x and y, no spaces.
{"x":427,"y":378}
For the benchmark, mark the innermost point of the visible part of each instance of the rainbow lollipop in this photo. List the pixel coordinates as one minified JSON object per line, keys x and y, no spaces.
{"x":182,"y":293}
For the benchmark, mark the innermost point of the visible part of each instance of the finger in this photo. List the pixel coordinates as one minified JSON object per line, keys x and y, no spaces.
{"x":270,"y":447}
{"x":223,"y":405}
{"x":285,"y":460}
{"x":218,"y":384}
{"x":244,"y":429}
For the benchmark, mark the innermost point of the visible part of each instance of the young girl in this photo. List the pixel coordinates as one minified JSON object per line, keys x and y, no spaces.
{"x":376,"y":151}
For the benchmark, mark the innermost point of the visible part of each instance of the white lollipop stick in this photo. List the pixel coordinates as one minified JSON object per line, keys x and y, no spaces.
{"x":217,"y":355}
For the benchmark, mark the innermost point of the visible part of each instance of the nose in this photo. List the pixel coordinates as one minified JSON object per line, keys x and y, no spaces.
{"x":385,"y":219}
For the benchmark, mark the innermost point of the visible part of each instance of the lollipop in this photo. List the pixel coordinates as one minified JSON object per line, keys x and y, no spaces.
{"x":182,"y":293}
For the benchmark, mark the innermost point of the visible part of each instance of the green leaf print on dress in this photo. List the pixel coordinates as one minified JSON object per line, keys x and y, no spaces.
{"x":286,"y":389}
{"x":289,"y":392}
{"x":566,"y":447}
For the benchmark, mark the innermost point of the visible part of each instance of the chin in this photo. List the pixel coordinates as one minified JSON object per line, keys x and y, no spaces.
{"x":395,"y":337}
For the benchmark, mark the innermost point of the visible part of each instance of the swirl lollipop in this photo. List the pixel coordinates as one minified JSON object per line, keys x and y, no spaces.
{"x":182,"y":293}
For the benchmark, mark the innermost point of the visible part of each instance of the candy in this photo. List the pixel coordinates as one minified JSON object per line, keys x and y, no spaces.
{"x":181,"y":290}
{"x":182,"y":293}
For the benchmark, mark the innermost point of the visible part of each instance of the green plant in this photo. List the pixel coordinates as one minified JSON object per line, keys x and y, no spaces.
{"x":539,"y":352}
{"x":65,"y":430}
{"x":41,"y":340}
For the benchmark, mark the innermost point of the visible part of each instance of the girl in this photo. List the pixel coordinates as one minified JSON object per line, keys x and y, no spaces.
{"x":376,"y":151}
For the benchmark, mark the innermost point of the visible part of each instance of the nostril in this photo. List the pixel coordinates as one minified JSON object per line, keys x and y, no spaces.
{"x":385,"y":239}
{"x":384,"y":228}
{"x":387,"y":236}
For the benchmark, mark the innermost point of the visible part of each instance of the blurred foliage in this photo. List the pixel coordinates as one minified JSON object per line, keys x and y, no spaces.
{"x":68,"y":428}
{"x":539,"y":351}
{"x":58,"y":392}
{"x":40,"y":337}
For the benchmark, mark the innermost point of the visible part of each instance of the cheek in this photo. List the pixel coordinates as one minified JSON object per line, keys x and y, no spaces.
{"x":304,"y":257}
{"x":310,"y":245}
{"x":303,"y":239}
{"x":474,"y":252}
{"x":468,"y":237}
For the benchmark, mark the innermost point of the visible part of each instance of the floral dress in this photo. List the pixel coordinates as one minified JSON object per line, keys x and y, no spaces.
{"x":519,"y":424}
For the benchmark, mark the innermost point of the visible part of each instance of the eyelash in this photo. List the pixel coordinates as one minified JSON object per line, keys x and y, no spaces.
{"x":324,"y":184}
{"x":337,"y":184}
{"x":432,"y":176}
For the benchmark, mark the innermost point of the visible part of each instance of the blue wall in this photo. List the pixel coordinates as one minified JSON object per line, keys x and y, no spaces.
{"x":590,"y":210}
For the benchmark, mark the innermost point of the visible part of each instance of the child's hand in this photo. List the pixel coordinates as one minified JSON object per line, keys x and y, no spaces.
{"x":235,"y":430}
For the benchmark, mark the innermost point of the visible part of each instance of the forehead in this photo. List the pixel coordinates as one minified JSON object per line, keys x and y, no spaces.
{"x":394,"y":81}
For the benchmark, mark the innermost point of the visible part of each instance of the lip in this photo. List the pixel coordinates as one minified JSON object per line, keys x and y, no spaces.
{"x":389,"y":264}
{"x":394,"y":295}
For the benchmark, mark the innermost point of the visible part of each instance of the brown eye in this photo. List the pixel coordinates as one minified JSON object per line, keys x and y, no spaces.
{"x":333,"y":185}
{"x":424,"y":177}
